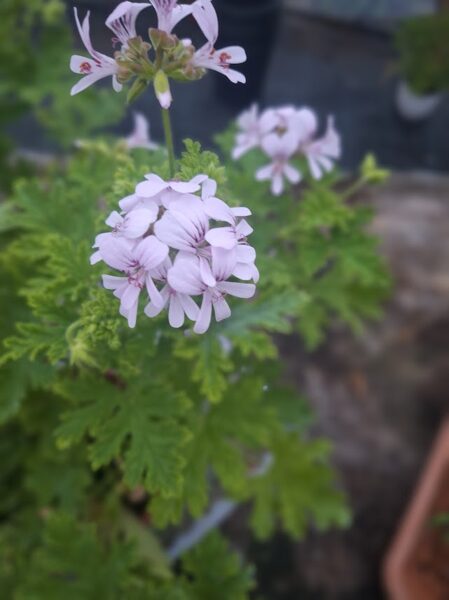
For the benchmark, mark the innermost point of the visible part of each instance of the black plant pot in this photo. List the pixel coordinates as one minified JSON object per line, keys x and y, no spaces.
{"x":252,"y":24}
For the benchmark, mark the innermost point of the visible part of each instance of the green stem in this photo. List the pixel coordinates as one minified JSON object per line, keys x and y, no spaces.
{"x":169,"y":141}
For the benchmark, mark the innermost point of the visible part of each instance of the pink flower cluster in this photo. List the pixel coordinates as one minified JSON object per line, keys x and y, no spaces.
{"x":178,"y":241}
{"x":122,"y":23}
{"x":283,"y":133}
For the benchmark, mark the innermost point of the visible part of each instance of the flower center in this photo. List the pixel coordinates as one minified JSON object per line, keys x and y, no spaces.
{"x":136,"y":276}
{"x":85,"y":68}
{"x":224,"y":59}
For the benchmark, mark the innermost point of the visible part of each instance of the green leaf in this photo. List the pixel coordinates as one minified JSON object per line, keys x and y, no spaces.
{"x":213,"y":571}
{"x":298,"y":488}
{"x":15,"y":380}
{"x":211,"y":365}
{"x":141,"y":426}
{"x":73,"y":563}
{"x":227,"y":439}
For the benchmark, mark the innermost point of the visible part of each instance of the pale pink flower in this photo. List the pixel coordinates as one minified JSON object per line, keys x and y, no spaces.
{"x":245,"y":268}
{"x":154,"y":191}
{"x":277,"y":118}
{"x":280,"y":148}
{"x":122,"y":21}
{"x":164,"y":191}
{"x":131,"y":226}
{"x":250,"y":132}
{"x":136,"y":261}
{"x":236,"y":232}
{"x":160,"y":243}
{"x":179,"y":305}
{"x":207,"y":57}
{"x":184,"y":227}
{"x":322,"y":153}
{"x":185,"y":277}
{"x":133,"y":201}
{"x":140,"y":135}
{"x":169,"y":13}
{"x":95,"y":68}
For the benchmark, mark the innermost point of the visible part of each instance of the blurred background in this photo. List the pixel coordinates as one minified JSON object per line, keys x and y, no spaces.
{"x":381,"y":67}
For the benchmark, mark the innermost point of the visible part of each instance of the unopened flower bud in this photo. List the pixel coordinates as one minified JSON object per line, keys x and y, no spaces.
{"x":162,"y":89}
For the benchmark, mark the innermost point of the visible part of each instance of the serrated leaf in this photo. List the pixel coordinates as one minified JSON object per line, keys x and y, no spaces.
{"x":216,"y":572}
{"x":299,"y":488}
{"x":139,"y":426}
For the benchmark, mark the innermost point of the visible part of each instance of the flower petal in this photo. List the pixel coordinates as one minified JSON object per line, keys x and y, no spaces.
{"x":222,"y":237}
{"x":219,"y":210}
{"x":203,"y":322}
{"x":239,"y":290}
{"x":175,"y":312}
{"x":185,"y":277}
{"x":151,"y":252}
{"x":189,"y":306}
{"x":221,"y":309}
{"x":151,"y":187}
{"x":205,"y":15}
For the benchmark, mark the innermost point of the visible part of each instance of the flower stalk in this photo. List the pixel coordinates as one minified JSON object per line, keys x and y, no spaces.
{"x":166,"y":121}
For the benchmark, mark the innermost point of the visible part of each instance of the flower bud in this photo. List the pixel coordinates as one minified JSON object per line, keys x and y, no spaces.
{"x":162,"y":89}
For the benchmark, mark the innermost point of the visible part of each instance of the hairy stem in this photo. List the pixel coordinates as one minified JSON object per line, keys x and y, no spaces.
{"x":169,"y":141}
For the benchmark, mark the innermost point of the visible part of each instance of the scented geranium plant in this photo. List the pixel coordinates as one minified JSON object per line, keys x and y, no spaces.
{"x":142,"y":392}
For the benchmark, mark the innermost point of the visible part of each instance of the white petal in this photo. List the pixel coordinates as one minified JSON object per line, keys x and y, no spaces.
{"x":130,"y":314}
{"x":292,"y":174}
{"x":222,"y":237}
{"x":273,"y":145}
{"x":185,"y":277}
{"x":239,"y":290}
{"x":223,"y":263}
{"x":95,"y":258}
{"x":189,"y":306}
{"x":117,"y":252}
{"x":138,"y":222}
{"x":112,"y":283}
{"x":277,"y":184}
{"x":241,"y":211}
{"x":219,"y":210}
{"x":264,"y":173}
{"x":175,"y":312}
{"x":244,"y":229}
{"x":87,"y":81}
{"x":203,"y":322}
{"x":130,"y":296}
{"x":130,"y":202}
{"x":154,"y":294}
{"x":114,"y":219}
{"x":151,"y":252}
{"x":153,"y":310}
{"x":205,"y":15}
{"x":151,"y":187}
{"x":245,"y":253}
{"x":206,"y":272}
{"x":237,"y":54}
{"x":209,"y":188}
{"x":77,"y":62}
{"x":169,"y":231}
{"x":221,"y":309}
